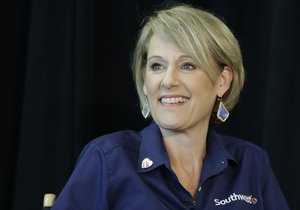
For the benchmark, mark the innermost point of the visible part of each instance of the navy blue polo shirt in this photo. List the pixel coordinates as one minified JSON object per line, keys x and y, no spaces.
{"x":130,"y":170}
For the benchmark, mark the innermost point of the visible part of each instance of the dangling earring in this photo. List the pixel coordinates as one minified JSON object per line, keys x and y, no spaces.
{"x":222,"y":113}
{"x":146,"y":108}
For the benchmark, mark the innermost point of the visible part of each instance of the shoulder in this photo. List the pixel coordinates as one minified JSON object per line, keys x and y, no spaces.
{"x":112,"y":148}
{"x":126,"y":139}
{"x":239,"y":144}
{"x":251,"y":159}
{"x":243,"y":150}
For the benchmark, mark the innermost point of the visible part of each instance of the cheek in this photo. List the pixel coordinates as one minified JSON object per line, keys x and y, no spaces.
{"x":150,"y":84}
{"x":203,"y":89}
{"x":199,"y":84}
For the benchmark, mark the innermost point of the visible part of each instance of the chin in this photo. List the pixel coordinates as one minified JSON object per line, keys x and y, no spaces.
{"x":168,"y":120}
{"x":169,"y":124}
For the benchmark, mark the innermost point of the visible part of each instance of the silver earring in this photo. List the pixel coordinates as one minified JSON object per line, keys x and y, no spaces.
{"x":222,"y":113}
{"x":146,"y":108}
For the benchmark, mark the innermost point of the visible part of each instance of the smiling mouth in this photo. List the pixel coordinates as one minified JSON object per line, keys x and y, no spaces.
{"x":175,"y":100}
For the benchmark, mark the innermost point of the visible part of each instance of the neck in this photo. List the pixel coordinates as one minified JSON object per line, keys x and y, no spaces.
{"x":186,"y":151}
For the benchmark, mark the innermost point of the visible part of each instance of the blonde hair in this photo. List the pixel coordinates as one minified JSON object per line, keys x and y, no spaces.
{"x":201,"y":35}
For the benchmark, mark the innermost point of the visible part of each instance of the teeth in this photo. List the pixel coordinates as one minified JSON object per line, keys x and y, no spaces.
{"x":173,"y":100}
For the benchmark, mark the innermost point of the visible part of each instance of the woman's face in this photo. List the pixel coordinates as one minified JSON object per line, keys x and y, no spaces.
{"x":180,"y":94}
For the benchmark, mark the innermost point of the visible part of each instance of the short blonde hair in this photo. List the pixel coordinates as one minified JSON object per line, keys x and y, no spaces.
{"x":201,"y":35}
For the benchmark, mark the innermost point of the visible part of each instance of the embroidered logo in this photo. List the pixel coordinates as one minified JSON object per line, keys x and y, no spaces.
{"x":235,"y":197}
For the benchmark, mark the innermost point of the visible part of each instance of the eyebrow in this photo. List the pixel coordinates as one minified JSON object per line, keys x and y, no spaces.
{"x":160,"y":57}
{"x":153,"y":57}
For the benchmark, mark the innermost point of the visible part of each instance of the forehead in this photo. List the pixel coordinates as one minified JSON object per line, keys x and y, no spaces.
{"x":160,"y":46}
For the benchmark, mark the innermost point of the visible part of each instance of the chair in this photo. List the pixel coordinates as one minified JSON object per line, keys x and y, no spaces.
{"x":49,"y":199}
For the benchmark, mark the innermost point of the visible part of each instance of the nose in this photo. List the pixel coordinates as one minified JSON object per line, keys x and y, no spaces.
{"x":170,"y":78}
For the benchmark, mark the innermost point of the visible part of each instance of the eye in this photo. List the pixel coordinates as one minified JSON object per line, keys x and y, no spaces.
{"x":188,"y":66}
{"x":156,"y":67}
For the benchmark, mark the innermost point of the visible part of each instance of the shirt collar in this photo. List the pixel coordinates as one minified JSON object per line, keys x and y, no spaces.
{"x":216,"y":149}
{"x":152,"y":151}
{"x":152,"y":148}
{"x":217,"y":158}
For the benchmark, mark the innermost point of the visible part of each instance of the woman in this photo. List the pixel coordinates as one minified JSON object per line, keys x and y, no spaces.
{"x":188,"y":71}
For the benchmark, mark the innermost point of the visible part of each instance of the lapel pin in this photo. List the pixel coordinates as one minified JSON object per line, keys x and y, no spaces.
{"x":147,"y":163}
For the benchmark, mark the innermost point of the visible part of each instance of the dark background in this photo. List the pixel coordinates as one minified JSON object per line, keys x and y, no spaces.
{"x":65,"y":79}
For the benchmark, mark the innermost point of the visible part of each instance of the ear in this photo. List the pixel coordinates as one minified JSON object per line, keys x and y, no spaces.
{"x":224,"y":81}
{"x":144,"y":89}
